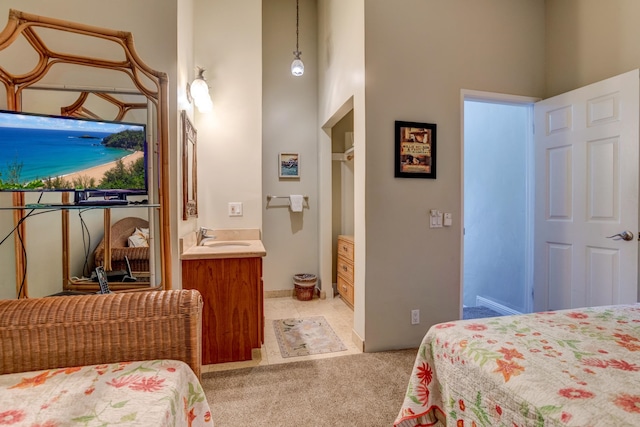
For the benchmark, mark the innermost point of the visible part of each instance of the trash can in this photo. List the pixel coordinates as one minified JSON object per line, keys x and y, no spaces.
{"x":305,"y":285}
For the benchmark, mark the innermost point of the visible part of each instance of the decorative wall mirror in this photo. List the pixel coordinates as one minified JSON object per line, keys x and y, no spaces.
{"x":118,"y":66}
{"x":189,"y":168}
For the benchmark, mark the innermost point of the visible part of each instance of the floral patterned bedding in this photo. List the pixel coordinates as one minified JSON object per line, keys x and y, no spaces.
{"x":148,"y":393}
{"x":577,"y":367}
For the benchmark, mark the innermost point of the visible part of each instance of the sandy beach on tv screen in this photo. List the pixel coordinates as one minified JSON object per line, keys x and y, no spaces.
{"x":98,"y":172}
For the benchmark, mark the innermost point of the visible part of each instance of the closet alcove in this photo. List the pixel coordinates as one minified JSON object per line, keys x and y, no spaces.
{"x":342,"y":194}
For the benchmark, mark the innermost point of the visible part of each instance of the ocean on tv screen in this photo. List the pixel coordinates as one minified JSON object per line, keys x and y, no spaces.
{"x":30,"y":154}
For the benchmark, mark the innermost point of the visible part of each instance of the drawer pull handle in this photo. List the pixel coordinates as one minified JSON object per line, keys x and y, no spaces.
{"x":344,"y":268}
{"x":344,"y":288}
{"x":344,"y":248}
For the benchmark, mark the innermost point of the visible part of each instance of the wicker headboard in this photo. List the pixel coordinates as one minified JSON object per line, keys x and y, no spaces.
{"x":66,"y":331}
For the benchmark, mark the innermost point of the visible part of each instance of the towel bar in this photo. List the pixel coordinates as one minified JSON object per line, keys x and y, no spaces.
{"x":269,"y":197}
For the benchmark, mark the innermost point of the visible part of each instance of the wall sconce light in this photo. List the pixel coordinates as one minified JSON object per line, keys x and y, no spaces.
{"x":198,"y":90}
{"x":297,"y":67}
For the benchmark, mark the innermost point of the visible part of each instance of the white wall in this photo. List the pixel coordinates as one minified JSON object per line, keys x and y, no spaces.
{"x":186,"y":72}
{"x":44,"y":258}
{"x":419,"y":55}
{"x":228,"y":45}
{"x":290,"y":124}
{"x":588,"y":41}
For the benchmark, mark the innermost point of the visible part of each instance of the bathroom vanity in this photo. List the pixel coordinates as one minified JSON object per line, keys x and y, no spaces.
{"x":227,"y":271}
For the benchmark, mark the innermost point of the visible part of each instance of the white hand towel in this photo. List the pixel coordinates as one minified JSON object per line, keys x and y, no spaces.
{"x":295,"y":202}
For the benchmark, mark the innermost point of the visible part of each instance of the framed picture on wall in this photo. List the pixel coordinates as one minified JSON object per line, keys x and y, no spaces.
{"x":415,"y":150}
{"x":289,"y":165}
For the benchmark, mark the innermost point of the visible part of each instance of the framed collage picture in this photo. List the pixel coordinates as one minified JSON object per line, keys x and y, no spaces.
{"x":415,"y":155}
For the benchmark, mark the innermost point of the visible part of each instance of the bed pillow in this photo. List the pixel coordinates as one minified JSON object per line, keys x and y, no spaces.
{"x":139,"y":238}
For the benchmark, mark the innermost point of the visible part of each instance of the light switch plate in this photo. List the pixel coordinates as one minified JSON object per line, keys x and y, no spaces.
{"x":235,"y":208}
{"x":415,"y":317}
{"x":435,"y":218}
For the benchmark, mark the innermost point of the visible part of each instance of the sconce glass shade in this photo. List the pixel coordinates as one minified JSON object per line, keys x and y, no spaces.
{"x":297,"y":67}
{"x":205,"y":104}
{"x":199,"y":89}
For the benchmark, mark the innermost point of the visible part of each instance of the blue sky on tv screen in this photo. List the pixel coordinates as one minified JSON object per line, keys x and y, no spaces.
{"x":14,"y":120}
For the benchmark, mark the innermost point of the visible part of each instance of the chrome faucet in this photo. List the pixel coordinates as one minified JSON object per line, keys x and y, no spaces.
{"x":202,"y":236}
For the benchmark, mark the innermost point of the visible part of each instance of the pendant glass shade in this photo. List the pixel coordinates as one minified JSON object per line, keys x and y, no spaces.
{"x":297,"y":67}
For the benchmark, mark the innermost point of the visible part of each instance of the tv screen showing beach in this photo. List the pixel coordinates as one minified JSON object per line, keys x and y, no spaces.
{"x":39,"y":152}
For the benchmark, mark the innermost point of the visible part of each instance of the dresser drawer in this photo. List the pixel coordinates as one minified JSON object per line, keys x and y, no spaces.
{"x":345,"y":269}
{"x":345,"y":247}
{"x":345,"y":289}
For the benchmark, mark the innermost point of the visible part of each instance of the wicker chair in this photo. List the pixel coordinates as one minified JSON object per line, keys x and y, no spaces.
{"x":59,"y":332}
{"x":120,"y":232}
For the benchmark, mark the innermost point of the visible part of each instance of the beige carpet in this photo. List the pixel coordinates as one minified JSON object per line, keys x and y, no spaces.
{"x":364,"y":389}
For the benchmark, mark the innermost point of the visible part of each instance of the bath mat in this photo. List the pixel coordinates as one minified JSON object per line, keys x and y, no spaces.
{"x":306,"y":335}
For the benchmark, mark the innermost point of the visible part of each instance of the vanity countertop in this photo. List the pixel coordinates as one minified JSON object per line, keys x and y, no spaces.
{"x":228,"y":243}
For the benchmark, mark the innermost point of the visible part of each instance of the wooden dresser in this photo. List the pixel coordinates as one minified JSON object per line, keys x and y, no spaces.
{"x":345,"y":268}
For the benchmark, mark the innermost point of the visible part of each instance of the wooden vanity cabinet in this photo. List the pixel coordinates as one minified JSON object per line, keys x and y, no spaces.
{"x":345,"y":268}
{"x":233,"y":312}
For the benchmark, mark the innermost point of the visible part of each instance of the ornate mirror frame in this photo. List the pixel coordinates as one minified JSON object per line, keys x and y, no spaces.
{"x":189,"y":168}
{"x":151,"y":83}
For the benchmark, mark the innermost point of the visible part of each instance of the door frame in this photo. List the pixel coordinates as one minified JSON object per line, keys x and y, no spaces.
{"x":501,"y":98}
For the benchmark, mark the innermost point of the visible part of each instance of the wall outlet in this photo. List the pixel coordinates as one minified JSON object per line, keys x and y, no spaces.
{"x":235,"y":208}
{"x":415,"y":317}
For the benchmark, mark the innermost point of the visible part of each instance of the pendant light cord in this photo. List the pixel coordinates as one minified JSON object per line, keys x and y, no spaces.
{"x":297,"y":67}
{"x":297,"y":26}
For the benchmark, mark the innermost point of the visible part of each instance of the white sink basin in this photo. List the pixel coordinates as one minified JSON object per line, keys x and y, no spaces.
{"x":225,"y":247}
{"x":226,"y":244}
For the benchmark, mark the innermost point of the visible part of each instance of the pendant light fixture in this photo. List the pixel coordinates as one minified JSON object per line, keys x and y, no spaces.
{"x":297,"y":67}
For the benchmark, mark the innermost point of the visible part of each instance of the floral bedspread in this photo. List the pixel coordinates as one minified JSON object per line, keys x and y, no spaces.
{"x":148,"y":393}
{"x":577,"y":367}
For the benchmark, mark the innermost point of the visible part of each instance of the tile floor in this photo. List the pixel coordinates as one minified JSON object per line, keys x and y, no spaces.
{"x":337,"y":313}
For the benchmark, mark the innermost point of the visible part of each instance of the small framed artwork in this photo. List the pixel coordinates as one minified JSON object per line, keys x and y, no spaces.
{"x":289,"y":165}
{"x":415,"y":150}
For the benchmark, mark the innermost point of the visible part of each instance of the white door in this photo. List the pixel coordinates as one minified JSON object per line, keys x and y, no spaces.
{"x":586,"y":156}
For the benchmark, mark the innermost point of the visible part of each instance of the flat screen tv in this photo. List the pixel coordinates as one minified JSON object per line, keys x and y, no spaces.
{"x":54,"y":153}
